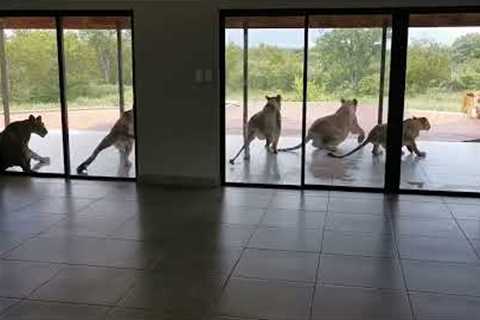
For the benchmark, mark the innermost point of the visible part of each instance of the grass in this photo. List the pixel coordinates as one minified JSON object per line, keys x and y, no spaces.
{"x":107,"y":101}
{"x":432,"y":101}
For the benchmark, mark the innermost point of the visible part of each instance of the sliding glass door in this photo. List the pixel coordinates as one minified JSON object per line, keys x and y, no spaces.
{"x":263,"y":100}
{"x":68,"y":79}
{"x":348,"y":57}
{"x":443,"y":89}
{"x":408,"y":78}
{"x":30,"y":88}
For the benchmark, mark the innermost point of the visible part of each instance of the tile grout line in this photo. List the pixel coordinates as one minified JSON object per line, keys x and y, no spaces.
{"x":317,"y":271}
{"x":244,"y":248}
{"x":402,"y":269}
{"x":463,"y":232}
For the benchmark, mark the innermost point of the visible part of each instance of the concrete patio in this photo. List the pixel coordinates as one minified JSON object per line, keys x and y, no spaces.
{"x":448,"y":166}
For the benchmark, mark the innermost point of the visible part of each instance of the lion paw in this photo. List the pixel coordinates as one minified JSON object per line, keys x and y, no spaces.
{"x":45,"y":160}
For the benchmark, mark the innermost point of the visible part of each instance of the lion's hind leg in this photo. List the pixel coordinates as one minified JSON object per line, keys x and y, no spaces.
{"x":105,"y":143}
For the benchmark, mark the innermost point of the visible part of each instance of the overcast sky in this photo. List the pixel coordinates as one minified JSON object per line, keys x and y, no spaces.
{"x":291,"y":38}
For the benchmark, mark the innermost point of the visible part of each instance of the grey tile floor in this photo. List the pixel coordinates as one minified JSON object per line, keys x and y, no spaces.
{"x":113,"y":250}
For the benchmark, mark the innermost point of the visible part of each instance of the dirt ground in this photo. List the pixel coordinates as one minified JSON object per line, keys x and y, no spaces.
{"x":96,"y":120}
{"x":446,"y":126}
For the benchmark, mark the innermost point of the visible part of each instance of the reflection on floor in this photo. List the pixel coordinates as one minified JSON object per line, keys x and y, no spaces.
{"x":448,"y":166}
{"x":105,"y":250}
{"x":82,"y":143}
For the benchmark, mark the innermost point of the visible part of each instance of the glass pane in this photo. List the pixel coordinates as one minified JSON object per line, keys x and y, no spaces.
{"x":348,"y":60}
{"x":273,"y":61}
{"x":99,"y":109}
{"x":443,"y":89}
{"x":30,"y":87}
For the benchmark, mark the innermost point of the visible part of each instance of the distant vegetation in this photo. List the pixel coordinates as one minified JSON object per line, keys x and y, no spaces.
{"x":346,"y":62}
{"x":91,"y":69}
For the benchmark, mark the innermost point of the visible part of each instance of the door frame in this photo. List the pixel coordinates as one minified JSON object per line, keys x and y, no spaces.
{"x":400,"y":24}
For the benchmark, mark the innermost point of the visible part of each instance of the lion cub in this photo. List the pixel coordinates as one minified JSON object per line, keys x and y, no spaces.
{"x":265,"y":124}
{"x":14,"y":150}
{"x":329,"y":131}
{"x":378,"y":137}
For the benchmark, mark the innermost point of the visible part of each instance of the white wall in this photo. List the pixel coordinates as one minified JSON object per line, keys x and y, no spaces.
{"x":178,"y":120}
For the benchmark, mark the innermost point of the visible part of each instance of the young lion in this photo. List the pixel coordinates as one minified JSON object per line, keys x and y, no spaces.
{"x":14,"y":150}
{"x":329,"y":131}
{"x":121,"y":136}
{"x":265,"y":124}
{"x":378,"y":137}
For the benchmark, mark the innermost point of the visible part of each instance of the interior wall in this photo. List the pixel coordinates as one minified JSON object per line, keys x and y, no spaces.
{"x":178,"y":117}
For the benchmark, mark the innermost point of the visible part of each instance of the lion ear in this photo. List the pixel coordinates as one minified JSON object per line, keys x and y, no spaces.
{"x":267,"y":97}
{"x":279,"y":97}
{"x":414,"y":117}
{"x":342,"y":100}
{"x":31,"y":117}
{"x":39,"y":119}
{"x":355,"y":102}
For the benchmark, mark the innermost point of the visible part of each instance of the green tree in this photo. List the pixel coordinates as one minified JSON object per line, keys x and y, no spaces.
{"x":104,"y":42}
{"x":466,"y":48}
{"x":32,"y":66}
{"x":428,"y":66}
{"x":233,"y":68}
{"x":341,"y":58}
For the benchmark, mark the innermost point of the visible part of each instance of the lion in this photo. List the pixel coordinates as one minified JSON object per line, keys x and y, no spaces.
{"x":14,"y":140}
{"x":330,"y":131}
{"x":264,"y":125}
{"x":471,"y":104}
{"x":378,"y":137}
{"x":121,"y":136}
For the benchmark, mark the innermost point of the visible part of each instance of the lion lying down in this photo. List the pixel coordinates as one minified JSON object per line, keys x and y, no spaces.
{"x":14,"y":150}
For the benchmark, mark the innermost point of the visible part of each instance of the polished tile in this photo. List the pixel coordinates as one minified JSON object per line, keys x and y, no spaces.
{"x":87,"y":285}
{"x":287,"y":239}
{"x":382,"y":273}
{"x":138,"y":314}
{"x":277,"y":265}
{"x":88,"y":251}
{"x":197,"y":260}
{"x":445,"y":307}
{"x":236,"y":215}
{"x":361,"y":206}
{"x":420,"y":209}
{"x":447,"y":278}
{"x":358,"y":244}
{"x":437,"y":249}
{"x":26,"y":225}
{"x":471,"y":227}
{"x":183,"y":296}
{"x":6,"y":303}
{"x":465,"y":211}
{"x":57,"y":206}
{"x":19,"y":279}
{"x":299,"y":202}
{"x":293,"y":219}
{"x":33,"y":310}
{"x":9,"y":241}
{"x":101,"y":225}
{"x":78,"y":249}
{"x":262,"y":299}
{"x":441,"y":228}
{"x":359,"y":303}
{"x":359,"y":223}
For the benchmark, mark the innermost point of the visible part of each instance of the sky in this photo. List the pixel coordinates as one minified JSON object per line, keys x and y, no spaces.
{"x":291,"y":38}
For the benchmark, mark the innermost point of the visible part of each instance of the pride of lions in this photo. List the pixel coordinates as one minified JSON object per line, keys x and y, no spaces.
{"x":325,"y":133}
{"x":329,"y":131}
